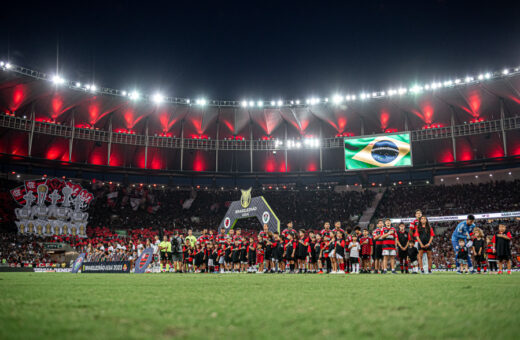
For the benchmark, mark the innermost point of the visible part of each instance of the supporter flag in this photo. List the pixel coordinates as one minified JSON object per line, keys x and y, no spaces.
{"x":134,"y":203}
{"x":187,"y":204}
{"x":112,"y":195}
{"x":76,"y":188}
{"x":376,"y":152}
{"x":32,"y":185}
{"x":55,"y":184}
{"x":86,"y":196}
{"x":18,"y":194}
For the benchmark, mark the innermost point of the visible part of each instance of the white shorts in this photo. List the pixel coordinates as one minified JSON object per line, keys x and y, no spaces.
{"x":210,"y":263}
{"x":221,"y":260}
{"x":389,"y":252}
{"x":339,"y":257}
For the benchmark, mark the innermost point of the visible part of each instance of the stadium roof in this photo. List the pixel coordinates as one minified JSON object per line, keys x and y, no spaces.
{"x":459,"y":101}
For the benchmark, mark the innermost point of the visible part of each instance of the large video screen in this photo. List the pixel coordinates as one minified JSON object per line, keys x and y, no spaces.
{"x":381,"y":151}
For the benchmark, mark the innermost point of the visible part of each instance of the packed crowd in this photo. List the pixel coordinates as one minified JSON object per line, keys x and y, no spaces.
{"x":136,"y":206}
{"x":441,"y":200}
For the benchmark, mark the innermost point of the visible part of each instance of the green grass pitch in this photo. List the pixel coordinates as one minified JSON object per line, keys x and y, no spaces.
{"x":241,"y":306}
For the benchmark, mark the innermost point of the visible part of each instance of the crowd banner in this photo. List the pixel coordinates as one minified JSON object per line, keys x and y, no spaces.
{"x":143,"y":261}
{"x":250,"y":207}
{"x":77,"y":263}
{"x":106,"y":267}
{"x":506,"y":214}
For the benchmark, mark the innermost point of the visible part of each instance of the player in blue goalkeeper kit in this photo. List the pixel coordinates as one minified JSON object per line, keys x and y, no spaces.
{"x":463,"y":231}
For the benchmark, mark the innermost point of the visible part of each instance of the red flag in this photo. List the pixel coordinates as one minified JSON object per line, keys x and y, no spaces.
{"x":86,"y":196}
{"x":32,"y":185}
{"x":76,"y":188}
{"x":18,"y":194}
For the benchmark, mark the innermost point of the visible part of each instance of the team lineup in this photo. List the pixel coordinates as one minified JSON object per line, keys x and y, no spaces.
{"x":334,"y":251}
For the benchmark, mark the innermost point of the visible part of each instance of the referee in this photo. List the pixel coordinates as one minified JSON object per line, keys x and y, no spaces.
{"x":165,"y":248}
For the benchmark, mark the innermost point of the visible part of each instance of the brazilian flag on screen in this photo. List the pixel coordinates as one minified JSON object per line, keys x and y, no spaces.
{"x":378,"y":152}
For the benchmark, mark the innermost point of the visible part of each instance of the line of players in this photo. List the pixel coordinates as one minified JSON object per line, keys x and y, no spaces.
{"x":330,"y":250}
{"x":336,"y":251}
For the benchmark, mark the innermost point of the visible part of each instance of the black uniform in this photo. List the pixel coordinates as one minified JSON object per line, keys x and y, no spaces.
{"x":479,"y":246}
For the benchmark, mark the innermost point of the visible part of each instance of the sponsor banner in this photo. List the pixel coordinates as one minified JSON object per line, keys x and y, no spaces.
{"x":250,"y":207}
{"x":78,"y":262}
{"x":106,"y":267}
{"x":52,"y":270}
{"x":506,"y":214}
{"x":381,"y":151}
{"x":143,"y":261}
{"x":16,"y":269}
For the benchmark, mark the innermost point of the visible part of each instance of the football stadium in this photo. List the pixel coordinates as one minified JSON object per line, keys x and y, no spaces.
{"x":366,"y":211}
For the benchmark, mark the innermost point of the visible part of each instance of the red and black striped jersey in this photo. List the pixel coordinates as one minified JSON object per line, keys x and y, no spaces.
{"x":489,"y":252}
{"x":389,"y":240}
{"x":221,"y":238}
{"x":376,"y":235}
{"x":324,"y":232}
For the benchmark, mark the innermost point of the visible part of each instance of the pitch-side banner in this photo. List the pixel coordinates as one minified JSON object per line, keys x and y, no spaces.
{"x":143,"y":261}
{"x":389,"y":150}
{"x":507,"y":214}
{"x":78,"y":263}
{"x":106,"y":267}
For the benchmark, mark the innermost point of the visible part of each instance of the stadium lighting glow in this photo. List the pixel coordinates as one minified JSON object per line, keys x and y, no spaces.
{"x":279,"y":103}
{"x":244,"y":103}
{"x":480,"y":76}
{"x":487,"y":75}
{"x":362,"y":96}
{"x":260,"y":103}
{"x":57,"y":80}
{"x":251,"y":103}
{"x":188,"y":101}
{"x":93,"y":88}
{"x":134,"y":95}
{"x":7,"y":66}
{"x":123,"y":93}
{"x":427,"y":86}
{"x":468,"y":79}
{"x":347,"y":98}
{"x":157,"y":98}
{"x":78,"y":84}
{"x":353,"y":97}
{"x":402,"y":90}
{"x":273,"y":103}
{"x":505,"y":71}
{"x":87,"y":87}
{"x":297,"y":102}
{"x":374,"y":94}
{"x":337,"y":99}
{"x":201,"y":102}
{"x":2,"y":64}
{"x":308,"y":101}
{"x":391,"y":92}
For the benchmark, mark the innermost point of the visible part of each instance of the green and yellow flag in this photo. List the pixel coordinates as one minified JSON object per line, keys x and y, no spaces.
{"x":378,"y":152}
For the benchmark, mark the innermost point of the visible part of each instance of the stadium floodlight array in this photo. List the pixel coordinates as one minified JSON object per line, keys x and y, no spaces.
{"x":336,"y":99}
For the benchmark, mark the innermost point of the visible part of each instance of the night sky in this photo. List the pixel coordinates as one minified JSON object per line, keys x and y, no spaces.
{"x":260,"y":50}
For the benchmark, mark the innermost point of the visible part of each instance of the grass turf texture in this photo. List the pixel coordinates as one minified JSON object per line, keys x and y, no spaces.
{"x":160,"y":306}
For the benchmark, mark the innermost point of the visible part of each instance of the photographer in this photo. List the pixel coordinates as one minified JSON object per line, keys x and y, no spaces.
{"x":177,"y":243}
